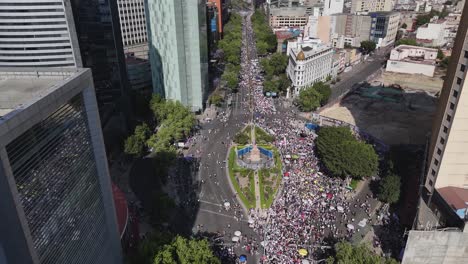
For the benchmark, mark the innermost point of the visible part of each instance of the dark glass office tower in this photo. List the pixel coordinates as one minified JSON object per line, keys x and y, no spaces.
{"x":100,"y":41}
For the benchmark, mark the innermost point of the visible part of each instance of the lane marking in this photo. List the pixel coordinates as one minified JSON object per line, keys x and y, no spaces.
{"x":202,"y":201}
{"x":221,"y":214}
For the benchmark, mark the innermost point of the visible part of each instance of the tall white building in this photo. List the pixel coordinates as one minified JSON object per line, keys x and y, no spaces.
{"x":331,"y":7}
{"x":132,"y":19}
{"x":310,"y":61}
{"x":38,"y":33}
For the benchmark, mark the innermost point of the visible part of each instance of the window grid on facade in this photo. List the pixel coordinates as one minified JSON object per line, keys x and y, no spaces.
{"x":56,"y":177}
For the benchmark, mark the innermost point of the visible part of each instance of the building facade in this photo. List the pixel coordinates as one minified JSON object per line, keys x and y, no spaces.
{"x":100,"y":41}
{"x":412,"y":60}
{"x":54,"y":181}
{"x":384,"y":28}
{"x":331,"y":7}
{"x":432,"y":34}
{"x":38,"y":34}
{"x":289,"y":17}
{"x":132,"y":18}
{"x":68,"y":33}
{"x":448,"y":155}
{"x":371,"y":5}
{"x":178,"y":50}
{"x":310,"y":61}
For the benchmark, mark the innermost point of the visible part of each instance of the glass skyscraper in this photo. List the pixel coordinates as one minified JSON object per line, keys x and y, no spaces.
{"x":179,"y":50}
{"x":55,"y":187}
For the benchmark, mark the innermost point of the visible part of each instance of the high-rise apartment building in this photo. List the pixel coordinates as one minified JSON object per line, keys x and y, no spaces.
{"x":448,"y":150}
{"x":55,"y":191}
{"x":37,"y":33}
{"x":371,"y":5}
{"x":178,"y":50}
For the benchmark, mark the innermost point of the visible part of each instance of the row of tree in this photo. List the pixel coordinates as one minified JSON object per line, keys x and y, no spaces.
{"x":174,"y":122}
{"x":274,"y":67}
{"x":264,"y":37}
{"x":345,"y":156}
{"x":231,"y":45}
{"x":312,"y":97}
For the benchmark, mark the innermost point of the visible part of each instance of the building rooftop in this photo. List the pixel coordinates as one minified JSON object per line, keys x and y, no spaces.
{"x":20,"y":88}
{"x":289,"y":11}
{"x":454,"y":196}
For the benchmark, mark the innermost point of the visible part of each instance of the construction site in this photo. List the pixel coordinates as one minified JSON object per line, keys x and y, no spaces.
{"x":392,"y":114}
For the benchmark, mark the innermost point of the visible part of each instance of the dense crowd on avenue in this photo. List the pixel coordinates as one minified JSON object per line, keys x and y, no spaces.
{"x":310,"y":206}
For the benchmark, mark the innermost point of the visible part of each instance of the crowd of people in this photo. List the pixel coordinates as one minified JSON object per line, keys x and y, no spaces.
{"x":311,"y":206}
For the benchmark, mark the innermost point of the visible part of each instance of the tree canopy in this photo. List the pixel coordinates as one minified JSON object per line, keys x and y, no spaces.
{"x":343,"y":155}
{"x":175,"y":122}
{"x":136,"y":143}
{"x":368,"y":46}
{"x":276,"y":79}
{"x":265,"y":38}
{"x":314,"y":96}
{"x":186,"y":251}
{"x":347,"y":253}
{"x":309,"y":99}
{"x":162,"y":248}
{"x":389,"y":189}
{"x":231,"y":45}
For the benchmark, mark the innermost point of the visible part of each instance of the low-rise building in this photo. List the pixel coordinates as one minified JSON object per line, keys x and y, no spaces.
{"x":412,"y":60}
{"x":371,"y":5}
{"x":310,"y":61}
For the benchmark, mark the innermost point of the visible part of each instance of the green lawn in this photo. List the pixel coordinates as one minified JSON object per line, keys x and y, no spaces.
{"x":233,"y":168}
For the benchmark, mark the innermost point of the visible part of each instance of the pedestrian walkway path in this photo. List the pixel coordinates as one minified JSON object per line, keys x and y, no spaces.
{"x":258,"y":202}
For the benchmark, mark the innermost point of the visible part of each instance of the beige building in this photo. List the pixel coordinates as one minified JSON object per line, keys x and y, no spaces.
{"x":446,"y":180}
{"x":371,"y":5}
{"x":287,"y":17}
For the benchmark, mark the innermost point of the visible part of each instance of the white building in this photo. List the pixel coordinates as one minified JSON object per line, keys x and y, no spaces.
{"x":412,"y":60}
{"x":331,"y":7}
{"x":432,"y":34}
{"x":310,"y":61}
{"x":132,"y":19}
{"x":38,"y":33}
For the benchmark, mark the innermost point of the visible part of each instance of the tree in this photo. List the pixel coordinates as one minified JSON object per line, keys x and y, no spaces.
{"x":136,"y":143}
{"x":186,"y":251}
{"x":309,"y":99}
{"x":278,"y":62}
{"x":347,"y":253}
{"x":368,"y":46}
{"x":440,"y":54}
{"x":406,"y":41}
{"x":445,"y":62}
{"x":324,"y":91}
{"x":164,"y":248}
{"x":231,"y":79}
{"x":175,"y":122}
{"x":216,"y":99}
{"x":389,"y":189}
{"x":404,"y":25}
{"x":343,"y":155}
